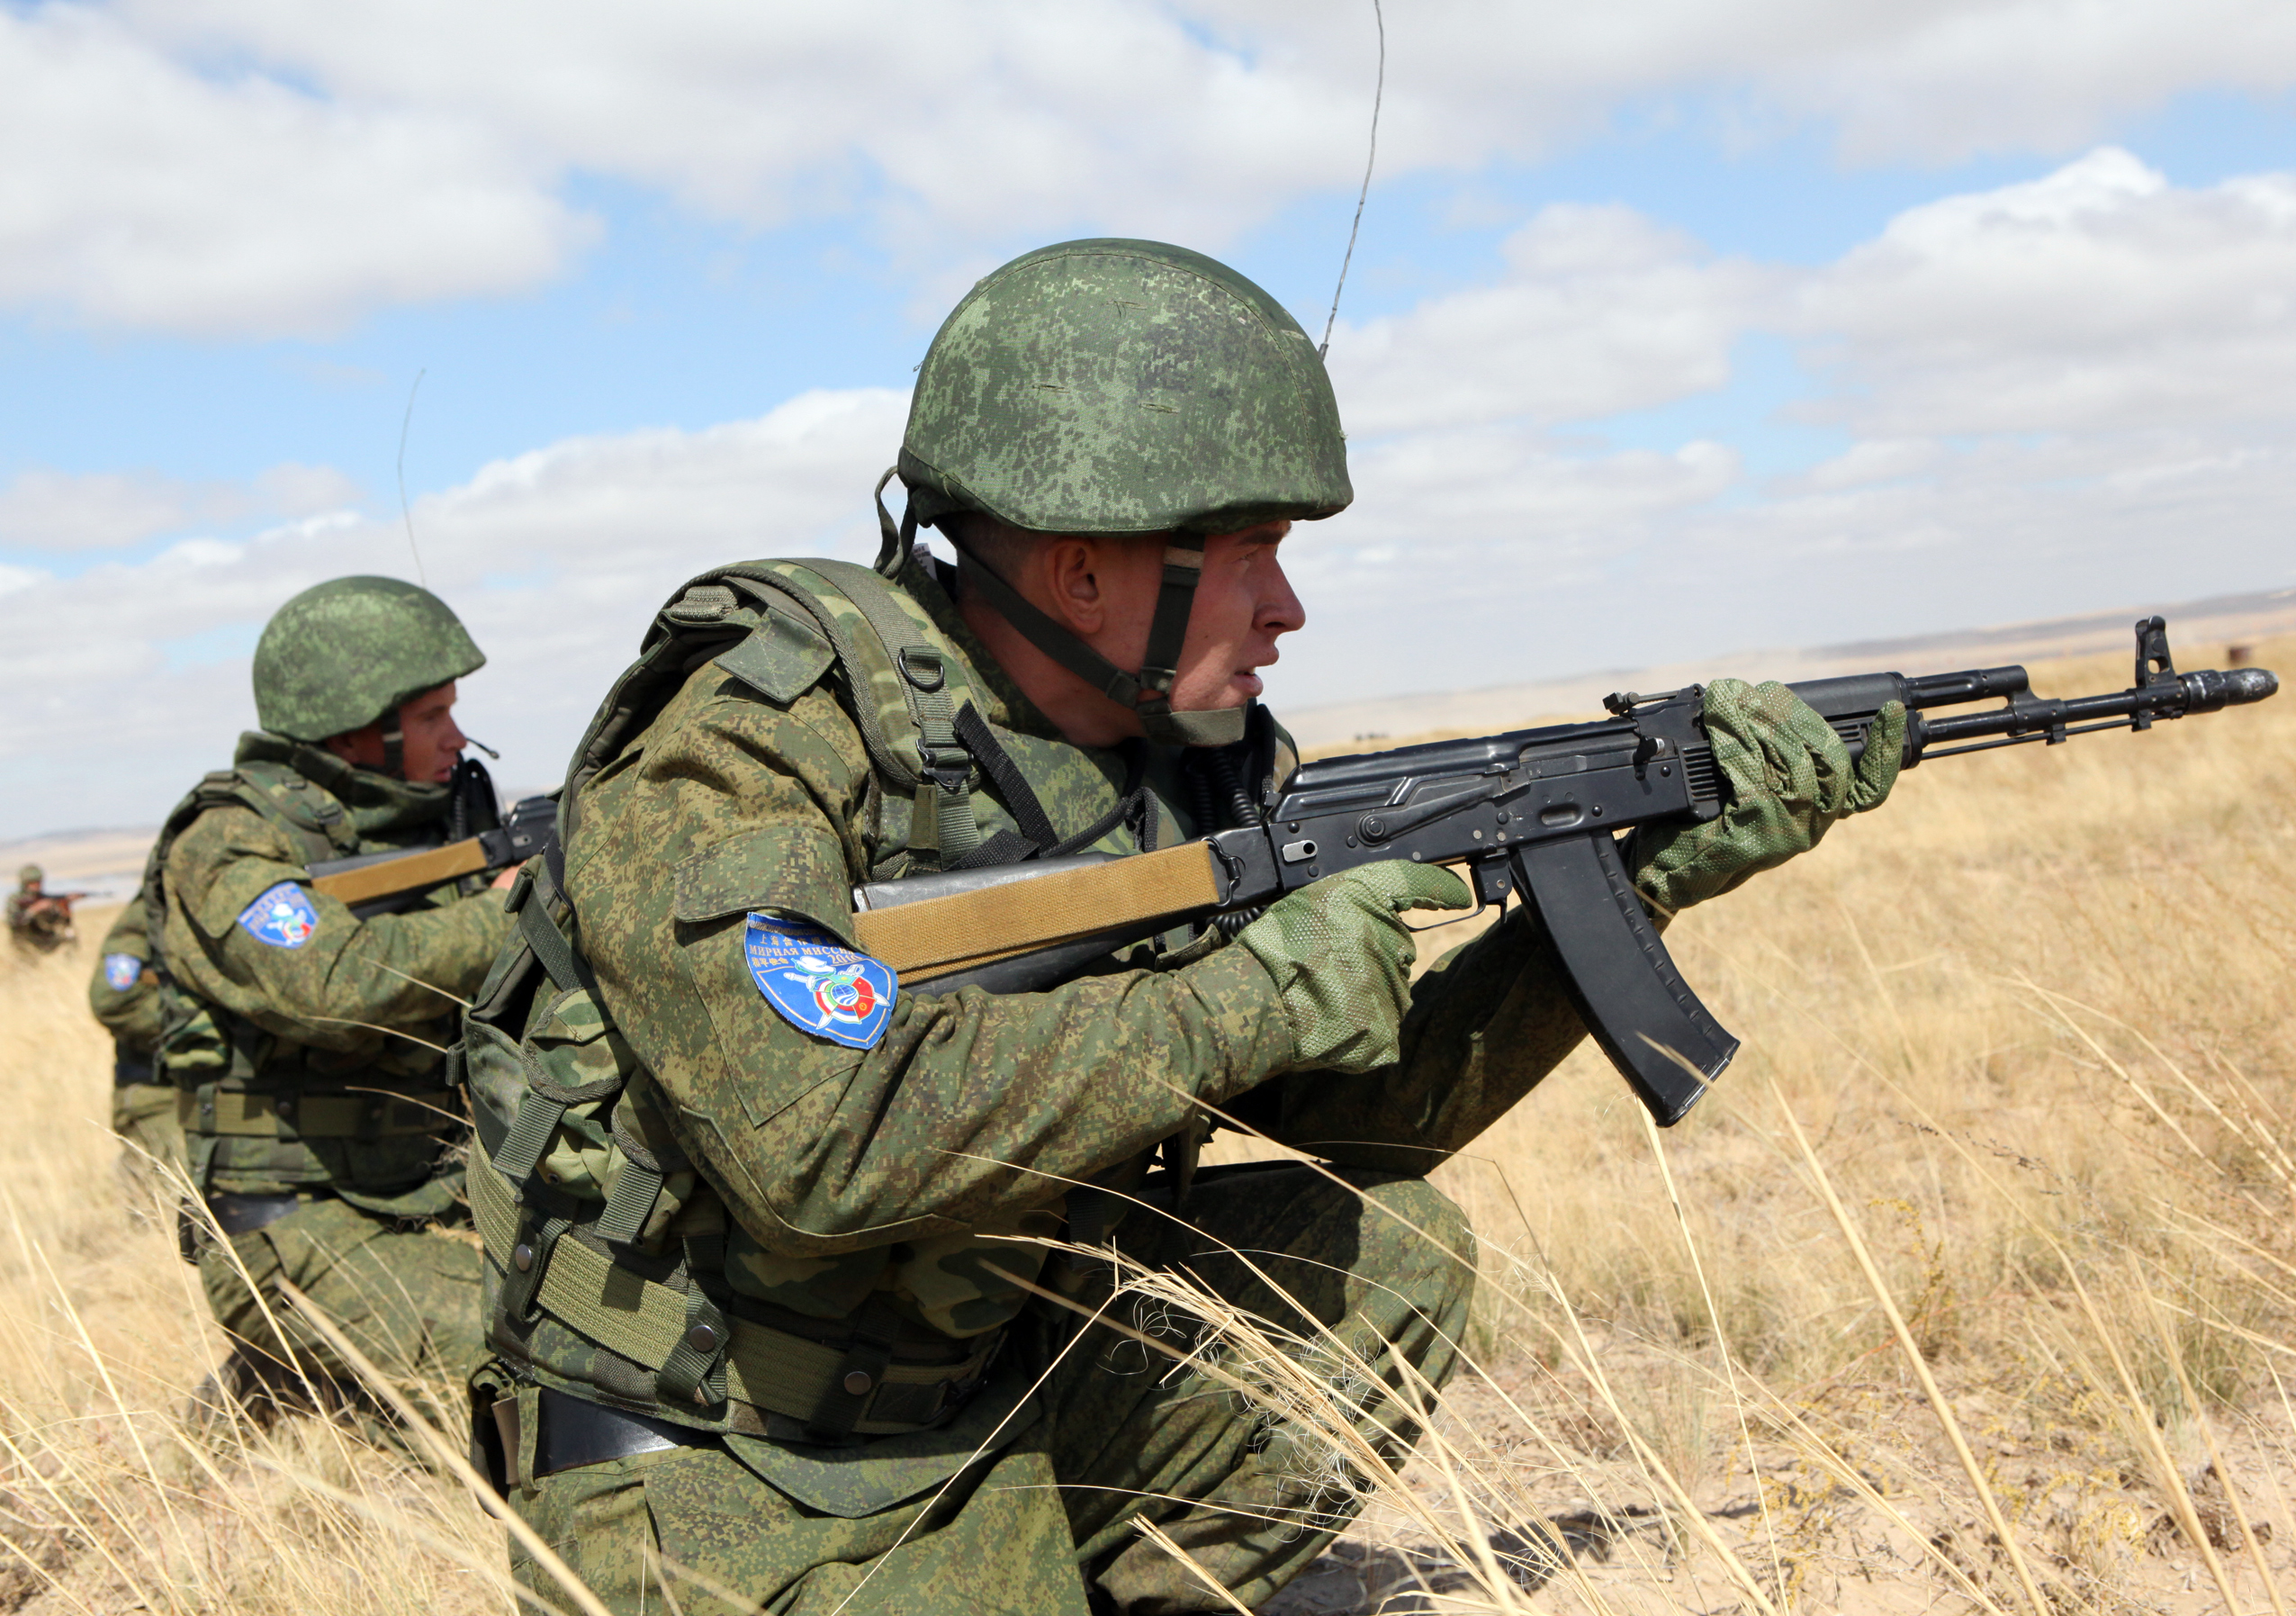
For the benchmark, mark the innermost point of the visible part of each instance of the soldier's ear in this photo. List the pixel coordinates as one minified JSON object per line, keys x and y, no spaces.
{"x":1071,"y":572}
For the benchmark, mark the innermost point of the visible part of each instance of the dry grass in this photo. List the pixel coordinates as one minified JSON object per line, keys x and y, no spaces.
{"x":2033,"y":1017}
{"x":109,"y":1501}
{"x":2032,"y":1021}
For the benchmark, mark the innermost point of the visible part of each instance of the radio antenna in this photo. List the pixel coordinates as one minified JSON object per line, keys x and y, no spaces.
{"x":1379,"y":92}
{"x":406,"y":512}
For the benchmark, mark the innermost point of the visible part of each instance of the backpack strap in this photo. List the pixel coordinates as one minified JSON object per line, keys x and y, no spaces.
{"x":906,"y":684}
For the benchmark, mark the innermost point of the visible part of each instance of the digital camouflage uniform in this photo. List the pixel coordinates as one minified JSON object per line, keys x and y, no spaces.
{"x":798,"y":1256}
{"x":124,"y":994}
{"x":302,"y":1040}
{"x":770,"y":1329}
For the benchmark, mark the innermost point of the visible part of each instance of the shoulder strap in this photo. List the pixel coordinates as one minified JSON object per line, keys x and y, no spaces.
{"x":907,"y":682}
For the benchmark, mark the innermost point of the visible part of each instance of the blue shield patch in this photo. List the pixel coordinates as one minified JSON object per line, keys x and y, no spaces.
{"x":818,"y":984}
{"x":282,"y":916}
{"x":121,"y":971}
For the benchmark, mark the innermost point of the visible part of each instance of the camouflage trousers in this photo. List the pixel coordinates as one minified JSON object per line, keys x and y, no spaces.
{"x":407,"y":1299}
{"x":1120,"y":1434}
{"x":143,"y":1114}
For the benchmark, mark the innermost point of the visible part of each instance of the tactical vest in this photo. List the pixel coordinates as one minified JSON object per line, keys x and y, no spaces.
{"x":262,"y":1113}
{"x":611,"y":1263}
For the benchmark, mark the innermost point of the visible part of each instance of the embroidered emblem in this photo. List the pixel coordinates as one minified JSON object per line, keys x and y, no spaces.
{"x":282,"y":916}
{"x":121,"y":971}
{"x":818,"y":984}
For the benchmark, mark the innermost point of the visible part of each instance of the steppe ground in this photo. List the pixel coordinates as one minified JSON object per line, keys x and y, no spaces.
{"x":2031,"y":1020}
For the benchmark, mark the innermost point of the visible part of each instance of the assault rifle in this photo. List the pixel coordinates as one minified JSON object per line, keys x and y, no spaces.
{"x":1533,"y":813}
{"x":376,"y":884}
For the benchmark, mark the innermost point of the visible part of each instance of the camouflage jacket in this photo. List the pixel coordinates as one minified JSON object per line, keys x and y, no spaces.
{"x":826,"y":1175}
{"x":124,"y":993}
{"x":307,"y":1041}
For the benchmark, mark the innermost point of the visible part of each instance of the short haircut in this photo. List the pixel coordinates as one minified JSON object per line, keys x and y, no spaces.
{"x":1002,"y":547}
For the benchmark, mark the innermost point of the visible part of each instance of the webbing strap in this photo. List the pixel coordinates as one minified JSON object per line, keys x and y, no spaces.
{"x":567,"y":970}
{"x":1183,"y":566}
{"x":241,"y":1115}
{"x":537,"y":1119}
{"x":939,"y":934}
{"x":636,"y":1188}
{"x":1011,"y":786}
{"x":944,"y":795}
{"x":694,"y":1371}
{"x":648,"y":1323}
{"x":530,"y":1251}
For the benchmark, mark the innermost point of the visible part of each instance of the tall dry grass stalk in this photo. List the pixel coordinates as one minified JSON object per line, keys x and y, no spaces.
{"x":108,"y":1499}
{"x":2015,"y":1332}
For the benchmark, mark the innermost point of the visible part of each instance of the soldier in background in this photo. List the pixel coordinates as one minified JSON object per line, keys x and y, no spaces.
{"x":38,"y":918}
{"x":124,"y":994}
{"x":762,"y":1222}
{"x":303,"y":1040}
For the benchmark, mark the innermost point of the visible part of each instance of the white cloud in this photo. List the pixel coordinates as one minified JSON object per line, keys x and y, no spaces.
{"x":1600,"y":311}
{"x":254,"y":167}
{"x":2100,"y":296}
{"x":58,"y":512}
{"x":1496,"y":538}
{"x":141,"y":192}
{"x":556,"y":560}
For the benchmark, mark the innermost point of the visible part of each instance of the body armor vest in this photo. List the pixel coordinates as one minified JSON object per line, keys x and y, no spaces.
{"x":263,"y":1113}
{"x":613,"y":1269}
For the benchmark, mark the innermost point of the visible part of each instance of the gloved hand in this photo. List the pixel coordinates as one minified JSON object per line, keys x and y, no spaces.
{"x":1342,"y":959}
{"x":1789,"y":777}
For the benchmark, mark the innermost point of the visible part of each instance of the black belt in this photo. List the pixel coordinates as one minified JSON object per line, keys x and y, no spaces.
{"x":237,"y":1214}
{"x":234,"y":1214}
{"x":573,"y":1431}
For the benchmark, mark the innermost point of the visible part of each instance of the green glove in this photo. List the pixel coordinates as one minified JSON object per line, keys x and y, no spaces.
{"x":1789,"y":777}
{"x":1342,"y":958}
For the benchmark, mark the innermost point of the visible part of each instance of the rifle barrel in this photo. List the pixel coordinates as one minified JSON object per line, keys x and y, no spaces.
{"x":2038,"y":718}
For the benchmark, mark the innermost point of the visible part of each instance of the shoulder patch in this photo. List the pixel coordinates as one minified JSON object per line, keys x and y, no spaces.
{"x":121,"y":971}
{"x":817,"y":984}
{"x":282,"y":916}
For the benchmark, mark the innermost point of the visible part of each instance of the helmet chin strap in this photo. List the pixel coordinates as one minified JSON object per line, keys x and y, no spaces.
{"x":1148,"y":692}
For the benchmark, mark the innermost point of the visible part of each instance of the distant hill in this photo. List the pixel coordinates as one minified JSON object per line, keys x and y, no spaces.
{"x":2201,"y":633}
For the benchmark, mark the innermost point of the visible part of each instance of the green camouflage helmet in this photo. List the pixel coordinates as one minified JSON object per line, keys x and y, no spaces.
{"x":347,"y":652}
{"x":1116,"y":386}
{"x":29,"y":876}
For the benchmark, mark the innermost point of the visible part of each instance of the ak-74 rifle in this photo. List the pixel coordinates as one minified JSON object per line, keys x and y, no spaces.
{"x":1533,"y":813}
{"x":375,"y":883}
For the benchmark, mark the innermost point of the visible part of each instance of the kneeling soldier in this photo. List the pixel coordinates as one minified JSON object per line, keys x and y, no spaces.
{"x":124,"y":995}
{"x":304,"y":1040}
{"x":770,"y":1321}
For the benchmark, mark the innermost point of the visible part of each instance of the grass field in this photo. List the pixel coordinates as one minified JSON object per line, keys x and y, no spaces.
{"x":1971,"y":1287}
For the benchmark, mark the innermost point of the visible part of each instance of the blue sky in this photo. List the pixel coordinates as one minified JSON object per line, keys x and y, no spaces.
{"x":1763,"y":327}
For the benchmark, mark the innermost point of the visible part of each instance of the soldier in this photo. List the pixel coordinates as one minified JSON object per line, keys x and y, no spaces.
{"x":37,"y":918}
{"x":124,"y":995}
{"x":303,"y":1039}
{"x":769,"y":1324}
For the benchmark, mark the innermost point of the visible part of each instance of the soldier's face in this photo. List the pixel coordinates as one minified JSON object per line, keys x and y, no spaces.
{"x":431,"y":743}
{"x":1244,"y":602}
{"x":428,"y":742}
{"x":1242,"y":605}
